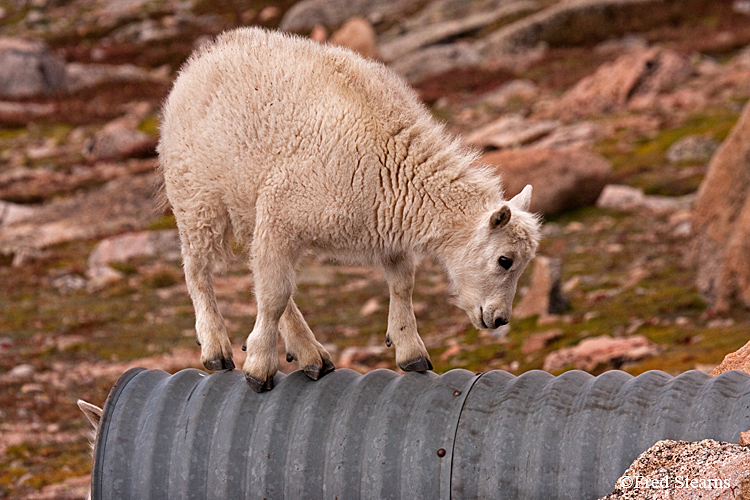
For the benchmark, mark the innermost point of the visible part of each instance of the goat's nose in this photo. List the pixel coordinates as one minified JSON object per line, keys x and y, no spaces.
{"x":500,"y":321}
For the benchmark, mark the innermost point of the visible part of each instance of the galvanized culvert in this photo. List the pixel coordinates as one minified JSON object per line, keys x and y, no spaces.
{"x":388,"y":436}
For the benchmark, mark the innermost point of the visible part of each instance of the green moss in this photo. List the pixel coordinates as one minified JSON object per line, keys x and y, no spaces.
{"x":164,"y":222}
{"x":150,"y":125}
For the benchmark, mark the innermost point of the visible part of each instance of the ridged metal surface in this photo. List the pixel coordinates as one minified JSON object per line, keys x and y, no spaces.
{"x":388,"y":436}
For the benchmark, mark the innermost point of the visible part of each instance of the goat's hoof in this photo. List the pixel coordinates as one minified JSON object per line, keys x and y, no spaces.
{"x":289,"y":357}
{"x":416,"y":365}
{"x":259,"y":385}
{"x":315,"y":372}
{"x":219,"y":364}
{"x":387,"y":340}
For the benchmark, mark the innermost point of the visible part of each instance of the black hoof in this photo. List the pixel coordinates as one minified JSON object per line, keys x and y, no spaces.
{"x":219,"y":364}
{"x":289,"y":358}
{"x":258,"y":385}
{"x":197,"y":341}
{"x":315,"y":372}
{"x":417,"y":365}
{"x":387,"y":340}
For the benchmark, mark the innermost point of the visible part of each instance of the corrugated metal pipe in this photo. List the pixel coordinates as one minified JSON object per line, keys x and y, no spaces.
{"x":388,"y":436}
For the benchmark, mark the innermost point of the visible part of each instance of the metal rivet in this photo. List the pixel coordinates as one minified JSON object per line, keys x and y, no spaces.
{"x":456,"y":393}
{"x":441,"y":452}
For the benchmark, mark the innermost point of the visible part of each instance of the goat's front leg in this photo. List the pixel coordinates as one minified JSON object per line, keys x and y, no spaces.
{"x":411,"y":354}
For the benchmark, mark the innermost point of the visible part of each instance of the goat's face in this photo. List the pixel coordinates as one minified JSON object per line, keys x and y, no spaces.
{"x":486,"y":271}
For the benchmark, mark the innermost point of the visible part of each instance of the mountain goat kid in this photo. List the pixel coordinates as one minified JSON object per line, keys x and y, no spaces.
{"x":284,"y":145}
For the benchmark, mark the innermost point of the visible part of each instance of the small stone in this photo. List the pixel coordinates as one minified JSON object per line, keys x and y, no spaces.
{"x":31,"y":388}
{"x":357,"y":34}
{"x":371,"y":306}
{"x":745,"y":438}
{"x":21,"y":372}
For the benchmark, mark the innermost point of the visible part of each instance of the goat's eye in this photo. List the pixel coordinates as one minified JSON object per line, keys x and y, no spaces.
{"x":505,"y":262}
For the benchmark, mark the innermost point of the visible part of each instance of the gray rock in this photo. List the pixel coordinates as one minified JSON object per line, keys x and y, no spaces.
{"x":121,"y":138}
{"x":549,"y":23}
{"x":120,"y":205}
{"x":332,"y":13}
{"x":692,"y":148}
{"x":127,"y":246}
{"x":393,"y":47}
{"x":81,"y":77}
{"x":417,"y":66}
{"x":509,"y":131}
{"x":29,"y":69}
{"x":629,"y":199}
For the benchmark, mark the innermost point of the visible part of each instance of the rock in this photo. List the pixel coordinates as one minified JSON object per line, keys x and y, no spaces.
{"x":361,"y":358}
{"x":629,"y":199}
{"x":683,"y":470}
{"x":21,"y":113}
{"x":591,"y":352}
{"x":633,"y":80}
{"x":563,"y":179}
{"x":417,"y":66}
{"x":357,"y":34}
{"x":121,"y":138}
{"x":120,"y":205}
{"x":741,"y":7}
{"x":628,"y":43}
{"x":101,"y":277}
{"x":538,"y":341}
{"x":513,"y":91}
{"x":13,"y":212}
{"x":428,"y":33}
{"x":581,"y":135}
{"x":692,"y":148}
{"x":564,"y":23}
{"x":544,"y":296}
{"x":302,"y":16}
{"x":30,"y":69}
{"x":21,"y":372}
{"x":127,"y":246}
{"x":721,"y":223}
{"x":81,"y":77}
{"x":69,"y":283}
{"x":737,"y":360}
{"x":319,"y":33}
{"x":511,"y":131}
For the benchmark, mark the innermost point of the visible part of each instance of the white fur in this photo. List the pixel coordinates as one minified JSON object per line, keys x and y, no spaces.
{"x":287,"y":145}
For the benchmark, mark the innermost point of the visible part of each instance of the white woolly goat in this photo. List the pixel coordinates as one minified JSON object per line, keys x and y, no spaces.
{"x":286,"y":145}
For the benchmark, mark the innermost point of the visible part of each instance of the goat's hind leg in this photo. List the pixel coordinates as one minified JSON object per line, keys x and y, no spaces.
{"x":301,"y":344}
{"x":199,"y":245}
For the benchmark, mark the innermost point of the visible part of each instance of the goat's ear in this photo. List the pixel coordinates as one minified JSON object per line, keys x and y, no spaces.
{"x":500,"y":218}
{"x":92,"y":412}
{"x":523,"y":199}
